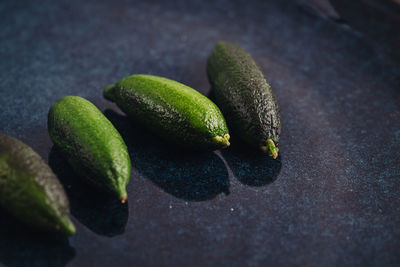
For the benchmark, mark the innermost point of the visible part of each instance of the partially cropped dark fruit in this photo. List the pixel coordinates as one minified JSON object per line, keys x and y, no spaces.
{"x":172,"y":110}
{"x":29,"y":189}
{"x":91,"y":144}
{"x":244,"y":96}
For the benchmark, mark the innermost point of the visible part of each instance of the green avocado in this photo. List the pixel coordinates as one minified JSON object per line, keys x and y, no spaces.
{"x":172,"y":110}
{"x":91,"y":144}
{"x":29,"y":189}
{"x":245,"y":97}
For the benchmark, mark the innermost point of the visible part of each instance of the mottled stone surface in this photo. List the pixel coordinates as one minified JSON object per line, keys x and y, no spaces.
{"x":331,"y":199}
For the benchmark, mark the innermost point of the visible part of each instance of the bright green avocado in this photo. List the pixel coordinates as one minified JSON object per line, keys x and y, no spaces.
{"x":91,"y":144}
{"x":172,"y":110}
{"x":29,"y":189}
{"x":245,"y":97}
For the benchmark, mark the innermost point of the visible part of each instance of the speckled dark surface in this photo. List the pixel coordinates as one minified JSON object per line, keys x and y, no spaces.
{"x":334,"y":199}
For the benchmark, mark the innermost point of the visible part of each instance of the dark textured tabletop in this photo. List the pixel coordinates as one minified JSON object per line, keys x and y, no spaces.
{"x":331,"y":199}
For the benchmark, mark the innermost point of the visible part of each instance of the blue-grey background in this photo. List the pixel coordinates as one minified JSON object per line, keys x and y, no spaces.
{"x":334,"y":199}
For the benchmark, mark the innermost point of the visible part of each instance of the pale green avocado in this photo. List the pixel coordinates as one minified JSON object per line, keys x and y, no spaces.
{"x":91,"y":144}
{"x":172,"y":110}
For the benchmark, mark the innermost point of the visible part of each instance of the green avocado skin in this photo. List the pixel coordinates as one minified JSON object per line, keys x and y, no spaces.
{"x":91,"y":144}
{"x":172,"y":110}
{"x":29,"y":189}
{"x":244,"y":95}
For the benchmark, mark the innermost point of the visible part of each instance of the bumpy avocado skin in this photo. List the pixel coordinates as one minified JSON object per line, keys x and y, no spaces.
{"x":244,"y":95}
{"x":29,"y":189}
{"x":91,"y":144}
{"x":172,"y":110}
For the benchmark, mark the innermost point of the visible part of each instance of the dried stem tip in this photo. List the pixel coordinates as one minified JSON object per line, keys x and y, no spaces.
{"x":271,"y":149}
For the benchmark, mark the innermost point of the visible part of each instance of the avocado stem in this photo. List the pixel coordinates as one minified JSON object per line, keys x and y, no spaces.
{"x":108,"y":92}
{"x":66,"y":226}
{"x":224,"y":140}
{"x":227,"y":137}
{"x":272,"y":149}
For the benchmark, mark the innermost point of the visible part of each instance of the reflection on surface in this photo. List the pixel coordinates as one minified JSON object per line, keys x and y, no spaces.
{"x":191,"y":176}
{"x":23,"y":246}
{"x":100,"y":212}
{"x":251,"y":167}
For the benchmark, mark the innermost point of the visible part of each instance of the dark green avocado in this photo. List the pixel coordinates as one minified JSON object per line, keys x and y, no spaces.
{"x":29,"y":189}
{"x":172,"y":110}
{"x":91,"y":144}
{"x":244,"y":97}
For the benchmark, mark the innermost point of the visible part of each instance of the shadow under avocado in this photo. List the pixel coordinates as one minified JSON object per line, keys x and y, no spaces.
{"x":21,"y":245}
{"x":191,"y":176}
{"x":249,"y":166}
{"x":97,"y":210}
